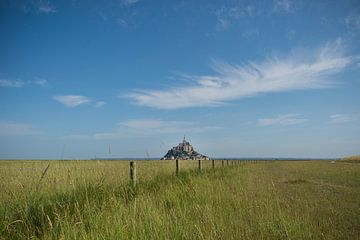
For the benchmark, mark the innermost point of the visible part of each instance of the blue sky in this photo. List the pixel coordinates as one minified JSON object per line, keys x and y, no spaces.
{"x":238,"y":78}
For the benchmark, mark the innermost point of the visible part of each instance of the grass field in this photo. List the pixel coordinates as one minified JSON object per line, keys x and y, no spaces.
{"x":94,"y":200}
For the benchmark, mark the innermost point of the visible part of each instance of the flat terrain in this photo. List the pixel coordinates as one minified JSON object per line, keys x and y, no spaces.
{"x":263,"y":200}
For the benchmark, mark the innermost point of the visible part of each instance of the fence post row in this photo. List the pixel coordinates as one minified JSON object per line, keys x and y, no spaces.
{"x":200,"y":166}
{"x":133,"y":173}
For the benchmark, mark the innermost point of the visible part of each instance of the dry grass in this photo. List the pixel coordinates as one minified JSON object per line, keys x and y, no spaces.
{"x":93,"y":200}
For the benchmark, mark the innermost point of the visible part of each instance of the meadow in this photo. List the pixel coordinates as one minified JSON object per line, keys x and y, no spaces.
{"x":257,"y":200}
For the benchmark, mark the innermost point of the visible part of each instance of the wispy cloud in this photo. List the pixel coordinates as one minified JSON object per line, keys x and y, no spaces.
{"x":11,"y":129}
{"x":222,"y":24}
{"x":123,"y":23}
{"x":11,"y":83}
{"x":45,"y":7}
{"x":39,"y":7}
{"x":297,"y":71}
{"x":158,"y":125}
{"x":225,"y":15}
{"x":129,"y":2}
{"x":250,"y":33}
{"x":21,"y":83}
{"x":283,"y":120}
{"x":342,"y":118}
{"x":147,"y":127}
{"x":99,"y":104}
{"x":71,"y":100}
{"x":283,"y":5}
{"x":352,"y":21}
{"x":40,"y":81}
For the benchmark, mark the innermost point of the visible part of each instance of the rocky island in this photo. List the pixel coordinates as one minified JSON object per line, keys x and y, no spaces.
{"x":184,"y":151}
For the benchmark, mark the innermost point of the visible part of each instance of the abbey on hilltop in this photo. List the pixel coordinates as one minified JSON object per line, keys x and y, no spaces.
{"x":184,"y":151}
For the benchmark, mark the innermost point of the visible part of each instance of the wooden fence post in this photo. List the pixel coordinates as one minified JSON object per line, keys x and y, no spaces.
{"x":227,"y":162}
{"x":133,"y":173}
{"x":213,"y":164}
{"x":200,"y":165}
{"x":222,"y":162}
{"x":177,"y":167}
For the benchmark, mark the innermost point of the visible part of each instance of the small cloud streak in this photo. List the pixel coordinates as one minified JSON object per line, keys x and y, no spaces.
{"x":39,"y":81}
{"x":20,"y":83}
{"x":147,"y":127}
{"x":157,"y":125}
{"x":39,"y":7}
{"x":283,"y":120}
{"x":129,"y":2}
{"x":341,"y":118}
{"x":45,"y":7}
{"x":71,"y":100}
{"x":99,"y":104}
{"x":250,"y":33}
{"x":122,"y":23}
{"x":228,"y":14}
{"x":11,"y":83}
{"x":231,"y":82}
{"x":283,"y":5}
{"x":9,"y":129}
{"x":352,"y":21}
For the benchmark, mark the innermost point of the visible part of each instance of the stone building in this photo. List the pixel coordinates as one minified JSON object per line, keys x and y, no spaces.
{"x":184,"y":146}
{"x":184,"y":151}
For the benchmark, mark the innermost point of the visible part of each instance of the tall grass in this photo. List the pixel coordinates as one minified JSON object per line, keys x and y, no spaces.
{"x":94,"y":200}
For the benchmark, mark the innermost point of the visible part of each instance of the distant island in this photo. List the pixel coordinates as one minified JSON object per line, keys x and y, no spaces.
{"x":184,"y":151}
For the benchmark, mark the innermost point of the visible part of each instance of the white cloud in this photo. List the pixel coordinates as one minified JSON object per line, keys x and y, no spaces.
{"x":99,"y":104}
{"x":21,"y":83}
{"x":71,"y":100}
{"x":222,"y":24}
{"x":286,"y":119}
{"x":129,"y":2}
{"x":157,"y":125}
{"x":8,"y":129}
{"x":230,"y":82}
{"x":122,"y":23}
{"x":250,"y":33}
{"x":228,"y":14}
{"x":39,"y":7}
{"x":342,"y":118}
{"x":11,"y":83}
{"x":283,"y":5}
{"x":39,"y":81}
{"x":147,"y":127}
{"x":352,"y":21}
{"x":45,"y":7}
